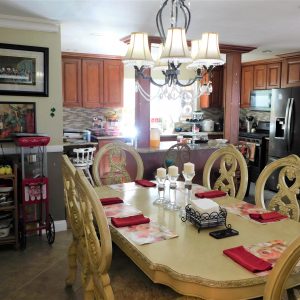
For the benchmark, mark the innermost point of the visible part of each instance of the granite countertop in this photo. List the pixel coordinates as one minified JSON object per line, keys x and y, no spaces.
{"x":164,"y":146}
{"x":77,"y":142}
{"x":111,"y":137}
{"x":187,"y":133}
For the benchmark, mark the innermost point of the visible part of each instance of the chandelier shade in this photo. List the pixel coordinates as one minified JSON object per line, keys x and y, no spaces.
{"x":176,"y":49}
{"x":209,"y":52}
{"x":138,"y":52}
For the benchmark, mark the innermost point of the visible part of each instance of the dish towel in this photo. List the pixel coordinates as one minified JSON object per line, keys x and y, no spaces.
{"x":129,"y":221}
{"x":145,"y":183}
{"x":247,"y":260}
{"x":252,"y":147}
{"x":112,"y":200}
{"x":211,"y":194}
{"x":268,"y":217}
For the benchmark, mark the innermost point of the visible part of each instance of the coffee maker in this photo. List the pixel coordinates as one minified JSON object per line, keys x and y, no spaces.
{"x":249,"y":123}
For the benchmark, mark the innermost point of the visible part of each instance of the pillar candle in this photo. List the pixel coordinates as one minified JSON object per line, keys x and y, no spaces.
{"x":161,"y":172}
{"x":173,"y":171}
{"x":188,"y":168}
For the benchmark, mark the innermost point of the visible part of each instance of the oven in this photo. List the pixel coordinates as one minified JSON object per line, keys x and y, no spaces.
{"x":257,"y":144}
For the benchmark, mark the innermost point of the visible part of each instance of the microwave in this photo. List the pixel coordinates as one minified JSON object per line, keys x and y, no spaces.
{"x":260,"y":100}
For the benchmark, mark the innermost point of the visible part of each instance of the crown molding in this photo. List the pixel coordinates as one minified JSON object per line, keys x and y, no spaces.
{"x":24,"y":23}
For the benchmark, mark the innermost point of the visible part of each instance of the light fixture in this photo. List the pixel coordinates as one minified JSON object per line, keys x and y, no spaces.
{"x":204,"y":56}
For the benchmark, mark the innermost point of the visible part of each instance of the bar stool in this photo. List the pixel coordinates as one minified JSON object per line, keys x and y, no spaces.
{"x":83,"y":160}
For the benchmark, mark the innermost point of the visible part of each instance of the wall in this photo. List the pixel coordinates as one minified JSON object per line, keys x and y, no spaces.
{"x":45,"y":123}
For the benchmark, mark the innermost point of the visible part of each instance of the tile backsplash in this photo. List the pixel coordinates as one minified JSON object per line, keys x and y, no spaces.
{"x":258,"y":115}
{"x":82,"y":118}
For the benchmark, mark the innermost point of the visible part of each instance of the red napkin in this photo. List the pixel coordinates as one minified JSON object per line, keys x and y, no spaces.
{"x":128,"y":221}
{"x":145,"y":183}
{"x":247,"y":260}
{"x":112,"y":200}
{"x":211,"y":194}
{"x":268,"y":217}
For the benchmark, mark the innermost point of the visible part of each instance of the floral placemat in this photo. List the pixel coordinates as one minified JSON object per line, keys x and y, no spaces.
{"x":120,"y":210}
{"x":122,"y":187}
{"x":147,"y":233}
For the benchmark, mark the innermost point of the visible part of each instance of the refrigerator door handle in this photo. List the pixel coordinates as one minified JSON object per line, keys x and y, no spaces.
{"x":286,"y":130}
{"x":289,"y":123}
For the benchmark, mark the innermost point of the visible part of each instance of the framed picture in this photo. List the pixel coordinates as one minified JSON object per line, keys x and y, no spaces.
{"x":16,"y":117}
{"x":23,"y":70}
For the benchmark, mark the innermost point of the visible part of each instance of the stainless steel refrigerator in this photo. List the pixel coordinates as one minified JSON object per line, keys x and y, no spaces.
{"x":284,"y":126}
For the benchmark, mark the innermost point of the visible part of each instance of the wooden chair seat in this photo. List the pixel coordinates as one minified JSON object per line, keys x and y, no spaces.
{"x":286,"y":199}
{"x":229,"y":161}
{"x":115,"y":163}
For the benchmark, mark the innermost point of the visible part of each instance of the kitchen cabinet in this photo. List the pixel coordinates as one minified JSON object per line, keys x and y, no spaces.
{"x":259,"y":76}
{"x":290,"y":72}
{"x":9,"y":208}
{"x":92,"y":81}
{"x":215,"y":99}
{"x":71,"y":74}
{"x":247,"y":85}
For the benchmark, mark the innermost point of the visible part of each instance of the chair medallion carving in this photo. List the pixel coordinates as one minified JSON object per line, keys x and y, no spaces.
{"x":229,"y":160}
{"x":285,"y":199}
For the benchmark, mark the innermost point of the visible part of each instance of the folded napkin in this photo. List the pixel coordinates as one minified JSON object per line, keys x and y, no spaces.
{"x":205,"y":206}
{"x":211,"y":194}
{"x":129,"y":221}
{"x":112,"y":200}
{"x":145,"y":183}
{"x":247,"y":260}
{"x":267,"y":217}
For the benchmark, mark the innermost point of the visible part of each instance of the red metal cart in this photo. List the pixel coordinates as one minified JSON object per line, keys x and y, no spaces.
{"x":34,"y":209}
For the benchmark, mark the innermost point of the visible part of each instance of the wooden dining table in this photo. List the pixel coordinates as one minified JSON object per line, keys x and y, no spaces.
{"x":193,"y":264}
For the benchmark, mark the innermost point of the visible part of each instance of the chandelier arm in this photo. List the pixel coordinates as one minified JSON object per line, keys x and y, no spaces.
{"x":190,"y":82}
{"x":159,"y":23}
{"x":140,"y":72}
{"x":187,"y":15}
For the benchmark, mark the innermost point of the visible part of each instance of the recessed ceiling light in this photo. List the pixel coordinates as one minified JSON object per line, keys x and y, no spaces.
{"x":266,"y":51}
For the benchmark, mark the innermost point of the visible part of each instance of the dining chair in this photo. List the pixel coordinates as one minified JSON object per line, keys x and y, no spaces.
{"x":115,"y":163}
{"x":97,"y":239}
{"x":287,"y":170}
{"x":177,"y":155}
{"x":228,"y":161}
{"x":84,"y":160}
{"x":77,"y":250}
{"x":278,"y":277}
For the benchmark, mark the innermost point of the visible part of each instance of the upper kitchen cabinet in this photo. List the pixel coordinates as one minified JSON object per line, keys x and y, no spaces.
{"x":92,"y":81}
{"x":259,"y":77}
{"x":273,"y":75}
{"x":291,"y":72}
{"x":247,"y":85}
{"x":215,"y":99}
{"x":71,"y":69}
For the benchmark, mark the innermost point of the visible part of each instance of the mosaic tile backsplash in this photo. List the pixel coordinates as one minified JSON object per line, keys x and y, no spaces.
{"x":258,"y":115}
{"x":82,"y":118}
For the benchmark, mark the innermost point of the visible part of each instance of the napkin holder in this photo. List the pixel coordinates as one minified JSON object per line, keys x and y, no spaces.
{"x":205,"y":220}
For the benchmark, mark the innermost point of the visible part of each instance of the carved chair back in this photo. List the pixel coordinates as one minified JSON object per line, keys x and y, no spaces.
{"x":229,"y":161}
{"x":97,"y":238}
{"x":276,"y":282}
{"x":285,"y":200}
{"x":110,"y":164}
{"x":177,"y":155}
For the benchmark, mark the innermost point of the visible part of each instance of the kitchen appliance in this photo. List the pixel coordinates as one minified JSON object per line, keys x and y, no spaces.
{"x":257,"y":142}
{"x":249,"y":123}
{"x":285,"y":126}
{"x":260,"y":100}
{"x":208,"y":125}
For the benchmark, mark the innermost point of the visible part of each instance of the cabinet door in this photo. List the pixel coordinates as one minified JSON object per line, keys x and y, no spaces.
{"x":92,"y":83}
{"x":247,"y":86}
{"x":113,"y":83}
{"x":215,"y":99}
{"x":291,"y":72}
{"x":273,"y":75}
{"x":71,"y":70}
{"x":259,"y":77}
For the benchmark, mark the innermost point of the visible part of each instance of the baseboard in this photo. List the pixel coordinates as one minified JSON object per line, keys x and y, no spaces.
{"x":60,"y":225}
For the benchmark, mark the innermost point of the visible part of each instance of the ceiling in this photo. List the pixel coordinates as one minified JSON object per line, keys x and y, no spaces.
{"x":95,"y":26}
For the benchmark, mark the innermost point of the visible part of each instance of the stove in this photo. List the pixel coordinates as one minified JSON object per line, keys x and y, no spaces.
{"x":258,"y":143}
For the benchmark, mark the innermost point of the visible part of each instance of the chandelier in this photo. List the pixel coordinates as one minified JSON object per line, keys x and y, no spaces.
{"x":203,"y":57}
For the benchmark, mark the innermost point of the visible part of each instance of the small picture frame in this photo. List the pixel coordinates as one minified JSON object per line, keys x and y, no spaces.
{"x":23,"y":70}
{"x":16,"y":117}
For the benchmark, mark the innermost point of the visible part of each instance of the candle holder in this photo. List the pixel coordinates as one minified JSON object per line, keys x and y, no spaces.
{"x":172,"y":204}
{"x":161,"y":190}
{"x":188,"y":177}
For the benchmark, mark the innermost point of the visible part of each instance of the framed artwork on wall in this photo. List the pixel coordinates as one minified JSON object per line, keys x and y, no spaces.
{"x":23,"y":70}
{"x":16,"y":117}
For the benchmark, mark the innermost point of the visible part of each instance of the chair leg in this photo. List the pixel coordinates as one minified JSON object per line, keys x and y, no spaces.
{"x":89,"y":176}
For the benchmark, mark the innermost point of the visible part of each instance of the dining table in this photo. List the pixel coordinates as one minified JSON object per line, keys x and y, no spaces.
{"x":193,"y":263}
